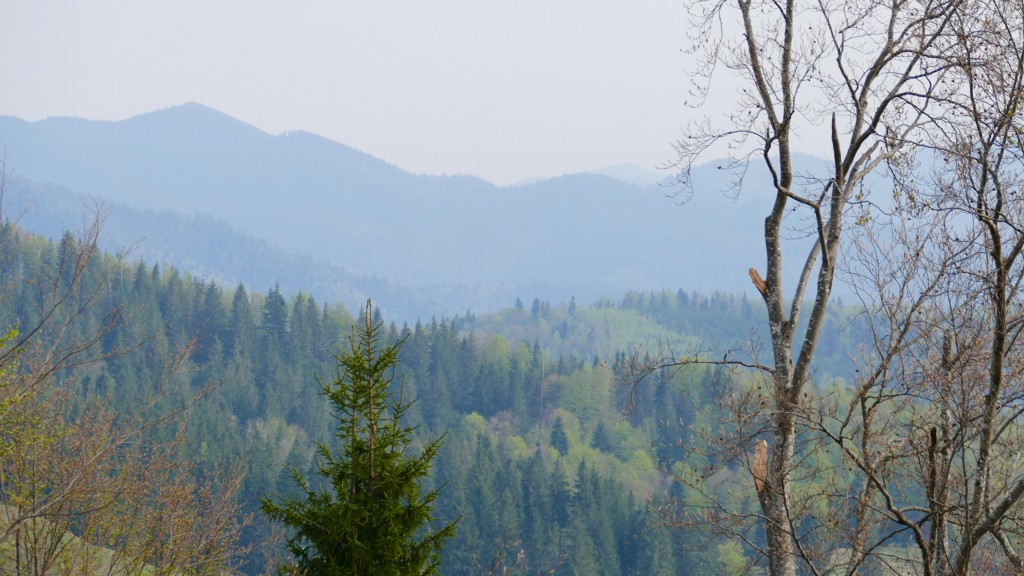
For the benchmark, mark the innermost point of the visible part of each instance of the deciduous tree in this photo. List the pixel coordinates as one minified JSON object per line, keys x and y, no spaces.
{"x":85,"y":488}
{"x":933,"y":427}
{"x":868,"y":72}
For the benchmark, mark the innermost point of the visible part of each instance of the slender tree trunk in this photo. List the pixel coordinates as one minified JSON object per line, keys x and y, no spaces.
{"x":774,"y":501}
{"x":780,"y":544}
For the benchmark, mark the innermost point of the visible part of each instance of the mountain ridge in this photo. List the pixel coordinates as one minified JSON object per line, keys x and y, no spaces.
{"x":584,"y":235}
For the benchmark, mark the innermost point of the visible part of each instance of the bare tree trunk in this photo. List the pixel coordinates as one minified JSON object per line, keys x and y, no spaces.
{"x":865,"y":70}
{"x":774,"y":504}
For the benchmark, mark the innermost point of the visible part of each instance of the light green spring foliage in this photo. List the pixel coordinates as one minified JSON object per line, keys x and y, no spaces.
{"x":12,"y":417}
{"x":730,"y":559}
{"x":24,"y":428}
{"x":372,"y":518}
{"x":590,"y":330}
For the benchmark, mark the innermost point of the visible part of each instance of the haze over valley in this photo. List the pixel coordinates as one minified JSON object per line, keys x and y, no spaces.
{"x":225,"y":200}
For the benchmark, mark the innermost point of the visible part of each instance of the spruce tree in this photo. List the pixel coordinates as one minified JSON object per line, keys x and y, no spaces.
{"x":372,"y":517}
{"x":559,"y":439}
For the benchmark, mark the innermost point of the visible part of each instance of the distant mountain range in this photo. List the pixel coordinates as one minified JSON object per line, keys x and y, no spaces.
{"x":221,"y":198}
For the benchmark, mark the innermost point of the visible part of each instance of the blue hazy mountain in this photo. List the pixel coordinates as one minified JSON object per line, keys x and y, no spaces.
{"x":460,"y":239}
{"x":634,"y":174}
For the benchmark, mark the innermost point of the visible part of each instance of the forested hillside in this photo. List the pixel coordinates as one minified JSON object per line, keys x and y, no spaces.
{"x":540,"y":465}
{"x":199,"y":244}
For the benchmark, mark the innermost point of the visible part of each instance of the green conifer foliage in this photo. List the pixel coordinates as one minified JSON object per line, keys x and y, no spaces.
{"x":559,"y":439}
{"x":373,"y":517}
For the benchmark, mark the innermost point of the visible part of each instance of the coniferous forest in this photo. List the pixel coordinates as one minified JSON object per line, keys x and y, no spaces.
{"x":543,"y":465}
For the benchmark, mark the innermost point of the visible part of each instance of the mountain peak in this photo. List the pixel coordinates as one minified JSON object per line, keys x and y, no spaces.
{"x":193,"y":117}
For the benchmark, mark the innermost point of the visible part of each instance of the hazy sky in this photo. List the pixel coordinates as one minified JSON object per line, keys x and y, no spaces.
{"x":506,"y":90}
